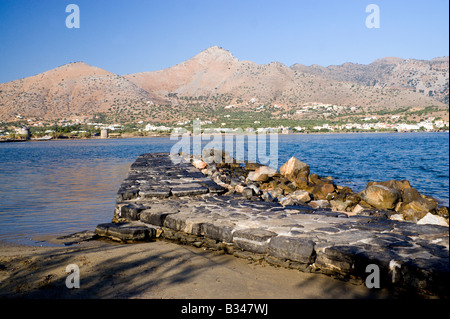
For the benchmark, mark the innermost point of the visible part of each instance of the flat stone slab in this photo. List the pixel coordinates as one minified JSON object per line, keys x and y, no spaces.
{"x":189,"y":189}
{"x":408,"y":256}
{"x":126,"y":231}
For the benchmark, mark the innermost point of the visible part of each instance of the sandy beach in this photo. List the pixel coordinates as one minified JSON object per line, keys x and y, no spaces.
{"x":158,"y":270}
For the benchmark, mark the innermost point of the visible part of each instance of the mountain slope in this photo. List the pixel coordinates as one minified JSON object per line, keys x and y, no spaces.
{"x":196,"y":76}
{"x":75,"y":89}
{"x":428,"y":78}
{"x":214,"y":78}
{"x":216,"y":72}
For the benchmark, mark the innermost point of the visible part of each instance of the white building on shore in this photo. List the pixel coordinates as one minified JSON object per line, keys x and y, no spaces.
{"x":151,"y":127}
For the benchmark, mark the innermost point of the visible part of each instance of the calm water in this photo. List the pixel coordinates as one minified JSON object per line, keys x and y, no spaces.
{"x":60,"y":187}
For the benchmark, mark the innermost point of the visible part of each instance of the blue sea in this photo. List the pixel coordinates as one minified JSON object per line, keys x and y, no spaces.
{"x":65,"y":186}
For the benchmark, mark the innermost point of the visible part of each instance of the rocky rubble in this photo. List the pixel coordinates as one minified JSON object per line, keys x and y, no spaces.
{"x":294,"y":185}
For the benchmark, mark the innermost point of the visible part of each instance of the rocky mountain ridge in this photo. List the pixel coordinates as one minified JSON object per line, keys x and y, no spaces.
{"x":78,"y":89}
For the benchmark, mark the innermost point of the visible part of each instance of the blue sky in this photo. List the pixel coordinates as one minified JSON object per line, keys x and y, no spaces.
{"x":132,"y":36}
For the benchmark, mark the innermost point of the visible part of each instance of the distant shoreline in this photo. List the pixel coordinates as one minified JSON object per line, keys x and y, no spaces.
{"x":223,"y":133}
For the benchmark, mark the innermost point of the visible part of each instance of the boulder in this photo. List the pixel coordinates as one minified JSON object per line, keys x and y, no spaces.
{"x":431,"y":219}
{"x":398,"y":217}
{"x":418,"y":205}
{"x":287,"y":188}
{"x":301,"y":182}
{"x":301,"y":195}
{"x":339,"y":206}
{"x":442,"y":211}
{"x":413,"y":215}
{"x":270,"y":184}
{"x":199,"y":164}
{"x":267,"y":197}
{"x":319,"y":204}
{"x":380,"y":196}
{"x":286,"y":201}
{"x":293,"y":167}
{"x":321,"y":191}
{"x":415,"y":206}
{"x":250,"y":166}
{"x":353,"y":198}
{"x":248,"y":192}
{"x":252,"y":176}
{"x":256,"y":190}
{"x":409,"y":195}
{"x":276,"y":193}
{"x":356,"y":210}
{"x":266,"y":170}
{"x":316,"y":180}
{"x":399,"y":186}
{"x":261,"y":174}
{"x":239,"y":188}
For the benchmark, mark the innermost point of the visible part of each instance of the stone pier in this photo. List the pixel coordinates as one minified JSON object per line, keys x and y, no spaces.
{"x":166,"y":197}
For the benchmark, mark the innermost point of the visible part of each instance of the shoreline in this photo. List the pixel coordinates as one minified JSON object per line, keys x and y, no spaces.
{"x":226,"y":134}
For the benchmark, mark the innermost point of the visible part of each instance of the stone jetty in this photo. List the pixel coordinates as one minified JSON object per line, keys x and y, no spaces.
{"x":167,"y":197}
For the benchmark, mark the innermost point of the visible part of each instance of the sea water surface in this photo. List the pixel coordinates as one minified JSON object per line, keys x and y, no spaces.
{"x":65,"y":186}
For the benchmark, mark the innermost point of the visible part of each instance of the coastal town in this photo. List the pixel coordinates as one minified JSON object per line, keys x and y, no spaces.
{"x":82,"y":129}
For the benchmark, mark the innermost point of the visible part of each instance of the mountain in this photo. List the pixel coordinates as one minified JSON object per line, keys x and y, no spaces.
{"x":385,"y":83}
{"x":429,"y":78}
{"x":71,"y":90}
{"x":197,"y":76}
{"x":214,"y":79}
{"x":215,"y":72}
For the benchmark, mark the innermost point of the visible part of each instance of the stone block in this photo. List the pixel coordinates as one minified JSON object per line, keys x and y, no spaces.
{"x":149,"y":192}
{"x":219,"y":232}
{"x":293,"y":248}
{"x":157,"y":213}
{"x":213,"y":187}
{"x":127,"y":194}
{"x":125,"y":231}
{"x":130,"y":211}
{"x":149,"y":216}
{"x":190,"y":189}
{"x":253,"y":239}
{"x":336,"y":259}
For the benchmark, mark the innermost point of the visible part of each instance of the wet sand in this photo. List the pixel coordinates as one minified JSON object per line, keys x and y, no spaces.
{"x":161,"y":270}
